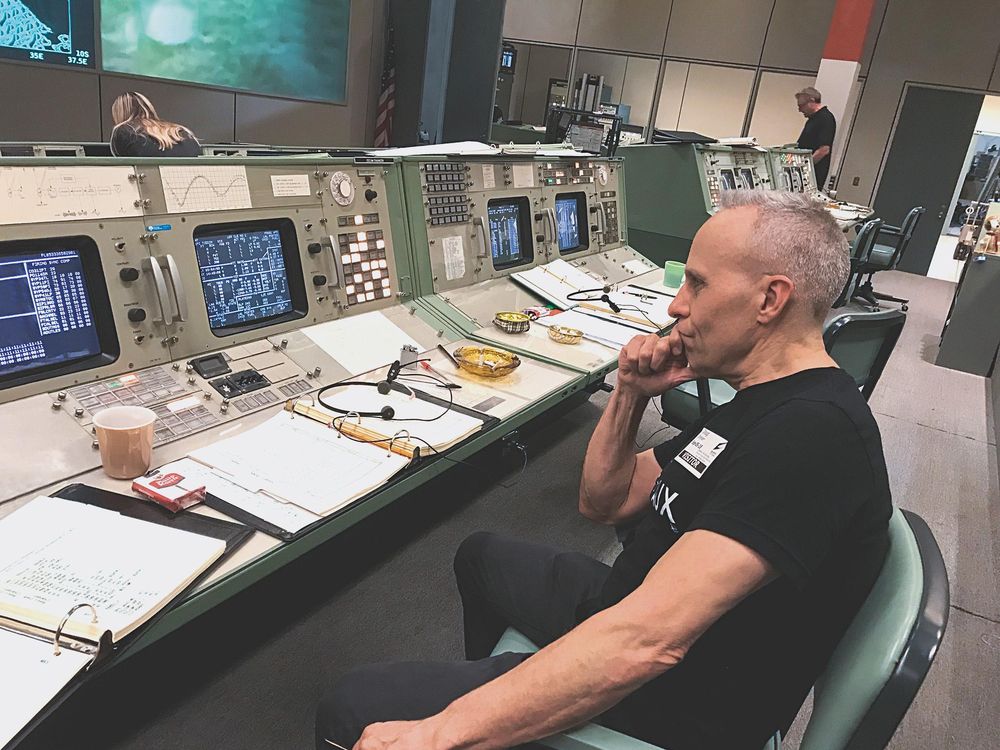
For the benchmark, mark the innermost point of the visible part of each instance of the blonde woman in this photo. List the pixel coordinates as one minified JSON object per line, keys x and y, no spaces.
{"x":139,"y":131}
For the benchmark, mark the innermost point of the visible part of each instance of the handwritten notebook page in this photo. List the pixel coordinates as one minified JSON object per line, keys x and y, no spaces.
{"x":55,"y":554}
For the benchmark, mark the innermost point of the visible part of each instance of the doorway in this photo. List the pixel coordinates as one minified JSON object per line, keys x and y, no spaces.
{"x":980,"y":160}
{"x":925,"y":160}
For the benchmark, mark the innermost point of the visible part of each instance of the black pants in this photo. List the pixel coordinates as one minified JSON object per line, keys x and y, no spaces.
{"x":502,"y":582}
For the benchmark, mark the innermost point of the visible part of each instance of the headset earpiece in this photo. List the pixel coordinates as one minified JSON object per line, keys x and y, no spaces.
{"x":383,"y":387}
{"x":387,"y":412}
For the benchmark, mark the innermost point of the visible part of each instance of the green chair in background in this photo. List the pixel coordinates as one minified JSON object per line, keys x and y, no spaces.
{"x":890,"y":245}
{"x":861,"y":249}
{"x":876,"y":669}
{"x":860,"y":341}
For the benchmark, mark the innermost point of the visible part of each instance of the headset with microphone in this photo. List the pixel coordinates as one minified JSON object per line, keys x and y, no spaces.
{"x":384,"y":387}
{"x":587,"y":295}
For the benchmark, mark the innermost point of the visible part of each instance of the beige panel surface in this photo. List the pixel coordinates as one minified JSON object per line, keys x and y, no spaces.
{"x":775,"y":119}
{"x":630,"y":25}
{"x":48,"y":104}
{"x":549,"y":21}
{"x":544,"y":63}
{"x":261,"y":119}
{"x":668,"y":110}
{"x":724,"y":32}
{"x":207,"y":112}
{"x":637,"y":91}
{"x":611,"y":66}
{"x":715,"y":100}
{"x":797,"y":33}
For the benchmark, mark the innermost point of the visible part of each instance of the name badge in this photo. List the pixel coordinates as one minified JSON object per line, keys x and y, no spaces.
{"x":699,"y":454}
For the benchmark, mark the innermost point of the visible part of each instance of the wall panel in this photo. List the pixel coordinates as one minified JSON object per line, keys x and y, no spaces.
{"x":716,"y":100}
{"x":49,"y":104}
{"x":544,"y":64}
{"x":797,"y":34}
{"x":730,"y":32}
{"x":637,"y":91}
{"x":261,"y":119}
{"x":553,"y":21}
{"x":668,"y":110}
{"x":628,"y":25}
{"x":775,"y":119}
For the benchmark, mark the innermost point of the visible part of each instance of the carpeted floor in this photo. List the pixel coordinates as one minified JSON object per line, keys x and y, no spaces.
{"x":248,"y":675}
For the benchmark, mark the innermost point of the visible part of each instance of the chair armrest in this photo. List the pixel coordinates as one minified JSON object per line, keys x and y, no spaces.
{"x":594,"y":737}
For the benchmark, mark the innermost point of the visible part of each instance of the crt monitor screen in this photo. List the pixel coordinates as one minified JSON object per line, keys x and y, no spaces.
{"x":746,"y":177}
{"x":251,"y":274}
{"x":54,"y":312}
{"x":728,"y":179}
{"x":510,"y":232}
{"x":571,"y":222}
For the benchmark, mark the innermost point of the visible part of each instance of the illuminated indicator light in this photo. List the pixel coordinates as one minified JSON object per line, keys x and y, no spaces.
{"x":383,"y":264}
{"x":376,"y":274}
{"x":355,"y":257}
{"x":369,"y":286}
{"x":385,"y":283}
{"x":366,"y":266}
{"x":370,"y":296}
{"x":354,"y":247}
{"x":380,"y":244}
{"x":358,"y":278}
{"x":129,"y":379}
{"x":386,"y":292}
{"x":362,"y":246}
{"x":362,"y":236}
{"x":359,"y":219}
{"x":350,"y":289}
{"x":345,"y":259}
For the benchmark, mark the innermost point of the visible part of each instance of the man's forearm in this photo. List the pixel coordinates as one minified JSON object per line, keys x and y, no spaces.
{"x":610,"y":459}
{"x":570,"y":681}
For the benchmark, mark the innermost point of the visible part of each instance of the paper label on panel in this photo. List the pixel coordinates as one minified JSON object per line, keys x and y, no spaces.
{"x":489,"y":177}
{"x":289,"y":185}
{"x":524,"y":175}
{"x":30,"y":195}
{"x":454,"y":257}
{"x":195,"y":188}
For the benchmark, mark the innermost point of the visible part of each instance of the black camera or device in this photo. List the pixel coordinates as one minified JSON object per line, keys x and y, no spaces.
{"x":239,"y":383}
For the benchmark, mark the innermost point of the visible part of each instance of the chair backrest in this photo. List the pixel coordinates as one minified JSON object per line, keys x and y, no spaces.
{"x":906,"y":230}
{"x":865,"y":240}
{"x":861,"y":342}
{"x":880,"y":663}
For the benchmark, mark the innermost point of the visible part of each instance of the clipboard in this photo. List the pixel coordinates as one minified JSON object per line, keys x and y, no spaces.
{"x":418,"y":461}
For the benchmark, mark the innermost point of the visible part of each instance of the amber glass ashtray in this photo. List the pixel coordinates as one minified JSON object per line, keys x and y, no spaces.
{"x":565,"y":334}
{"x":486,"y":361}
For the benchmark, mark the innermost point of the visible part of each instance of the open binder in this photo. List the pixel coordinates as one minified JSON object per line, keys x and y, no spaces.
{"x":80,"y":576}
{"x":406,"y":454}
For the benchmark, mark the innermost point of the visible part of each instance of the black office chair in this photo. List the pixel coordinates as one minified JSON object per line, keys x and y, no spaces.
{"x":860,"y":341}
{"x":864,"y":242}
{"x":876,"y":670}
{"x":890,"y":245}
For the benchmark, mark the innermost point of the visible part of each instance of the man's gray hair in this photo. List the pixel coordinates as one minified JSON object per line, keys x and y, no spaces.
{"x":797,"y":237}
{"x":811,"y":93}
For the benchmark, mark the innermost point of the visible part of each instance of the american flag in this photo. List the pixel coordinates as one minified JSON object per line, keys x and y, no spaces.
{"x":387,"y":96}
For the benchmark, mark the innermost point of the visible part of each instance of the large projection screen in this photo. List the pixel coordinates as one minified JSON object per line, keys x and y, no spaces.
{"x":292,"y":48}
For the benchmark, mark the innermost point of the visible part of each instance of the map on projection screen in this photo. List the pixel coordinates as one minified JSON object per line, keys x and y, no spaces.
{"x":48,"y":31}
{"x":292,"y":48}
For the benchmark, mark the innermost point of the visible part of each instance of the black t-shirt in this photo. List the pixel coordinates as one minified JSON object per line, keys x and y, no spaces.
{"x":793,"y":469}
{"x":819,"y":130}
{"x":127,"y":141}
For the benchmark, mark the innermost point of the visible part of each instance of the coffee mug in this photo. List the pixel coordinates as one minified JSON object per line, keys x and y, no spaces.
{"x":673,"y":274}
{"x":125,"y":437}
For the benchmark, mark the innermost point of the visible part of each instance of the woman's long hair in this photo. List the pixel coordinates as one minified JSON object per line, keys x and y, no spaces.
{"x":134,"y":109}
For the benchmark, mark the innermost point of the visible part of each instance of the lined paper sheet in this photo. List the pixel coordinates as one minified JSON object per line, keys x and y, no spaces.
{"x":301,"y":461}
{"x":32,"y":677}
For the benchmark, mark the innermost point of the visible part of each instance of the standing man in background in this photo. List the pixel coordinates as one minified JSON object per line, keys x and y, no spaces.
{"x":818,"y":132}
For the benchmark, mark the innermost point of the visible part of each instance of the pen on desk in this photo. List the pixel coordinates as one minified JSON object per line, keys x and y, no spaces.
{"x":652,"y":291}
{"x":451,"y":359}
{"x":448,"y":384}
{"x":643,"y":298}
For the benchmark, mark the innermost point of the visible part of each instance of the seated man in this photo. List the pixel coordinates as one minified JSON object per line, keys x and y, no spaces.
{"x":756,"y":533}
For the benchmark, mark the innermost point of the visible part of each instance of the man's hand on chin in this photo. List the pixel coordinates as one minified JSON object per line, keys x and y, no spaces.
{"x":399,"y":735}
{"x":650,"y":365}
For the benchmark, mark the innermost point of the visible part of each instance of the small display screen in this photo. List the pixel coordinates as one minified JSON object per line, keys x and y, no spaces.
{"x":727,"y":179}
{"x":510,"y":232}
{"x":508,"y":58}
{"x":59,"y":32}
{"x":244,"y":275}
{"x":46,"y":316}
{"x":571,"y":227}
{"x":746,"y":176}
